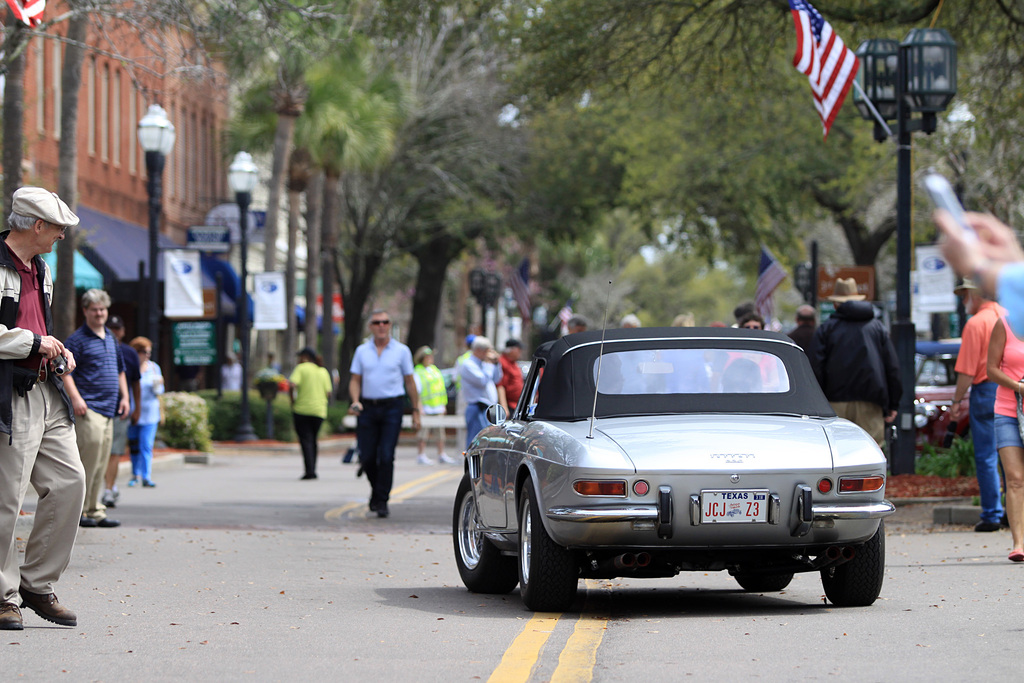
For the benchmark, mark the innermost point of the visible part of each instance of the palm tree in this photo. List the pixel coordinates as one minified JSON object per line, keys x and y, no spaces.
{"x":350,"y":119}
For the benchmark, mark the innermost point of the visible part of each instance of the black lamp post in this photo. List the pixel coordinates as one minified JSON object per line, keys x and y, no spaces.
{"x":242,"y":177}
{"x":917,"y":75}
{"x":156,"y":137}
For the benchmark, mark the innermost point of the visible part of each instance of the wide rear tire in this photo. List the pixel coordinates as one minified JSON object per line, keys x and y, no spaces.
{"x":548,"y":573}
{"x":481,"y":565}
{"x":763,"y":583}
{"x":857,"y":583}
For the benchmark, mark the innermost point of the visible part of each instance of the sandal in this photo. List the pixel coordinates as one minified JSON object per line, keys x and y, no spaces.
{"x":1016,"y":556}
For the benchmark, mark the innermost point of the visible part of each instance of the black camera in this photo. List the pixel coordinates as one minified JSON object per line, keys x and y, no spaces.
{"x":60,"y":365}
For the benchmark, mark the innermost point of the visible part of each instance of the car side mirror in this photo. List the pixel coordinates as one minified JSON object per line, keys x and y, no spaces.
{"x":496,"y":414}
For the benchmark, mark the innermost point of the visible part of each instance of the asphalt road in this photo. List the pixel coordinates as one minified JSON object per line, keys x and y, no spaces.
{"x":238,"y":571}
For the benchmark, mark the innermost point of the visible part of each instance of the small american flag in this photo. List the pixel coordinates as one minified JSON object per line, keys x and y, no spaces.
{"x":520,"y":283}
{"x":769,"y":276}
{"x":823,"y":57}
{"x":30,"y":13}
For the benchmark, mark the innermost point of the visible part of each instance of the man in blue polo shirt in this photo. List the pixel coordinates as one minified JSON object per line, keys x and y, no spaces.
{"x":382,"y":373}
{"x":98,"y":392}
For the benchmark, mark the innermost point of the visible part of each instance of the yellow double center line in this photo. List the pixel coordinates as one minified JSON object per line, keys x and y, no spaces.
{"x":577,"y":659}
{"x":403,"y":492}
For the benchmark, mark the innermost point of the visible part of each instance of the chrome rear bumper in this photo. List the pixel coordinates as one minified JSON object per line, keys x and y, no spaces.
{"x":636,"y":513}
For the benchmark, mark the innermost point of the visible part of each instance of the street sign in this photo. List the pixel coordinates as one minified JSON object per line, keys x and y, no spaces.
{"x":209,"y":238}
{"x":195,"y":343}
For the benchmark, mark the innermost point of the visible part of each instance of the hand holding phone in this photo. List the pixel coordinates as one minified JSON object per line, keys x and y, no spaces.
{"x":943,"y":197}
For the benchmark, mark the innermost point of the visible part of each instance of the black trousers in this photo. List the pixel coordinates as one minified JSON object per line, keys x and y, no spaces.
{"x":306,"y":428}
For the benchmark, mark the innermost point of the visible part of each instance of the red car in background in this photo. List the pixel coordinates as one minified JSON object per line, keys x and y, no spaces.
{"x":935,"y":384}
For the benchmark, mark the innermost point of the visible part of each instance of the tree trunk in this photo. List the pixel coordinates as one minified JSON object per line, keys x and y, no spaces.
{"x":314,"y":260}
{"x":282,"y":148}
{"x":14,"y":108}
{"x":329,"y":227}
{"x":65,"y":306}
{"x":433,"y":258}
{"x":289,"y":346}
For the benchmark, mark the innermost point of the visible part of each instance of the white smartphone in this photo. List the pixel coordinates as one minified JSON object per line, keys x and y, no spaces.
{"x":943,"y":197}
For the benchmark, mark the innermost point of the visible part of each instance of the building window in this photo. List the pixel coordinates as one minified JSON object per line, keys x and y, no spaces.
{"x":55,"y":80}
{"x":90,"y":119}
{"x":115,"y":119}
{"x":133,"y":125}
{"x":40,"y":50}
{"x":104,"y":112}
{"x":173,"y":184}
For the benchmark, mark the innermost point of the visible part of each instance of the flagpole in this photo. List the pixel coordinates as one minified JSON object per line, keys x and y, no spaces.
{"x":871,"y":108}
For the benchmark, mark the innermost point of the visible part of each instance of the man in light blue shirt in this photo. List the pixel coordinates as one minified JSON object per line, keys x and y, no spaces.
{"x":381,"y":375}
{"x":480,"y":374}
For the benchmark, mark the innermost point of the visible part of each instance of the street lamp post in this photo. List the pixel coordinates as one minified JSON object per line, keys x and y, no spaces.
{"x":242,"y":177}
{"x":917,"y":75}
{"x":156,"y":137}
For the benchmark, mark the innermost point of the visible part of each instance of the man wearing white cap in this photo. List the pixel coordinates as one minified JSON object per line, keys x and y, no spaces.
{"x":35,"y":415}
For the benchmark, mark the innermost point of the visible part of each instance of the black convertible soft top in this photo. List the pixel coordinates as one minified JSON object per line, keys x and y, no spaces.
{"x":566,"y":389}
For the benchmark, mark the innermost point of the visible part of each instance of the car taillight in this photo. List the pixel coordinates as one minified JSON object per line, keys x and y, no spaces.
{"x":600,"y":488}
{"x":861,"y":484}
{"x":641,"y":487}
{"x":825,"y":485}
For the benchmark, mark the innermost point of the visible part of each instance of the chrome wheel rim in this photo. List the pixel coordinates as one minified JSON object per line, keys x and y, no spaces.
{"x":470,"y":539}
{"x":525,"y":544}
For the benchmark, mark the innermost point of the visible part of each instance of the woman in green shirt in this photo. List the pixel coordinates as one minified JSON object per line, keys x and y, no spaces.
{"x":309,"y":391}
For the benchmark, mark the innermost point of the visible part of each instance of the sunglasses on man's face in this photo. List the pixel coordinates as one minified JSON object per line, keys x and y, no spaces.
{"x":380,"y":322}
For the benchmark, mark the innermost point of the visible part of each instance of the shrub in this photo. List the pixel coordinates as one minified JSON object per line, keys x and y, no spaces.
{"x":955,"y":461}
{"x":186,"y":422}
{"x":225,"y":413}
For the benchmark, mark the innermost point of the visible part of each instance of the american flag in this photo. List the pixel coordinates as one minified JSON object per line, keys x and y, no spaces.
{"x":769,"y":275}
{"x":823,"y":57}
{"x":30,"y":13}
{"x":520,"y":283}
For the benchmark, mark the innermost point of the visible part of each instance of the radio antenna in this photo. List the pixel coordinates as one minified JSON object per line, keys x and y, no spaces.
{"x":600,"y":357}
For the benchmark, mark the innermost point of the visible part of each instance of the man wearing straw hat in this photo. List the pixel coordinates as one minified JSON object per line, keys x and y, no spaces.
{"x":855,"y":362}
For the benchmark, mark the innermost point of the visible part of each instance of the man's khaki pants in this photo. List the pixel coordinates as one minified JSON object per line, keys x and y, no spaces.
{"x":95,"y":434}
{"x":866,"y":415}
{"x":43,"y":452}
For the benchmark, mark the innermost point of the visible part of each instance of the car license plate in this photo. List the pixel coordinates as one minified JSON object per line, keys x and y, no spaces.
{"x":733,"y":505}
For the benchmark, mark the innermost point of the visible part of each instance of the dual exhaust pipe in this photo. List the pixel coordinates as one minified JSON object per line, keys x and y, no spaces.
{"x":632,"y":560}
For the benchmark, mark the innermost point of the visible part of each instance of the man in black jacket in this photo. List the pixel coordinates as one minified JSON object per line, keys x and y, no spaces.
{"x":855,"y":362}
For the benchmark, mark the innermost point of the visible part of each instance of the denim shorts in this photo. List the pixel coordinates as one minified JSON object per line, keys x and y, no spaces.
{"x":1007,"y":432}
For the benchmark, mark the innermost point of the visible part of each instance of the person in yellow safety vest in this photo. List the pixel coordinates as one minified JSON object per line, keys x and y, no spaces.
{"x":433,"y":401}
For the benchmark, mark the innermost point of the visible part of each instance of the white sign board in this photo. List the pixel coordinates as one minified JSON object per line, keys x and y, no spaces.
{"x":933,"y":288}
{"x":183,"y":284}
{"x":270,"y":310}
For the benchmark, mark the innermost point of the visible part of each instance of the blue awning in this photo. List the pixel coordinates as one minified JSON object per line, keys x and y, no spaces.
{"x":115,"y":247}
{"x":86,"y":275}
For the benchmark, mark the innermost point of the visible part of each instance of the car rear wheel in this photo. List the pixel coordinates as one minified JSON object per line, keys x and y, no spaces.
{"x":481,"y":565}
{"x":858,"y":582}
{"x":762,"y":583}
{"x":548,"y":573}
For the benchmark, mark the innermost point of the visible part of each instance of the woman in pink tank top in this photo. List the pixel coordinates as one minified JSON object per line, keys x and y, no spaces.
{"x":1006,"y":368}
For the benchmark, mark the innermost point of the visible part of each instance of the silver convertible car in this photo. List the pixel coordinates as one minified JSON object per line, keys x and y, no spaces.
{"x":648,"y":452}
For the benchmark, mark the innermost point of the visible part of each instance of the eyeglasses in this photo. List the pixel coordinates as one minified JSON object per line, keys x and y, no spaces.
{"x":380,"y":322}
{"x":752,"y":327}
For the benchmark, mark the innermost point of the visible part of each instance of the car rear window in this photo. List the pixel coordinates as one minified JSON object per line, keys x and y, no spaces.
{"x":690,"y":371}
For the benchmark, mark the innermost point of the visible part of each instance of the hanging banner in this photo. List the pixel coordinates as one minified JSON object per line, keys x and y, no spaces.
{"x":183,"y":284}
{"x":270,"y":310}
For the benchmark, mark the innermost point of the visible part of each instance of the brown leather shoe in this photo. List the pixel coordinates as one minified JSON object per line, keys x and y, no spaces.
{"x":10,"y":617}
{"x":47,"y":606}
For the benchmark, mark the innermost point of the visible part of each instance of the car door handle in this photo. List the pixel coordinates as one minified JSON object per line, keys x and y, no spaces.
{"x":513,"y":428}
